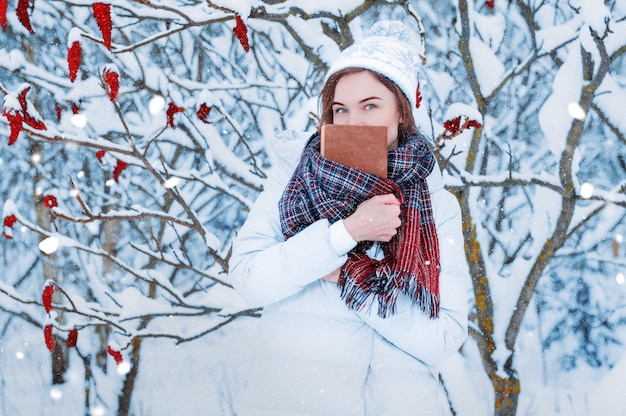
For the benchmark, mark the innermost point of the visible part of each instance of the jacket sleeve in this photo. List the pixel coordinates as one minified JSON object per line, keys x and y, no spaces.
{"x":434,"y":340}
{"x":264,"y":268}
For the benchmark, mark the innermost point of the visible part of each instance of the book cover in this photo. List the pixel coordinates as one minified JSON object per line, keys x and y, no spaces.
{"x":360,"y":147}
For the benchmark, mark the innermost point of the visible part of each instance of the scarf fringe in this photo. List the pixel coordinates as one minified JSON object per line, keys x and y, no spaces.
{"x":385,"y":289}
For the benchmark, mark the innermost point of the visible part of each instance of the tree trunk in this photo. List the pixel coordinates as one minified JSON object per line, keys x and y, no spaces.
{"x":507,"y":392}
{"x":111,"y":230}
{"x":58,"y":356}
{"x":125,"y":399}
{"x":60,"y":360}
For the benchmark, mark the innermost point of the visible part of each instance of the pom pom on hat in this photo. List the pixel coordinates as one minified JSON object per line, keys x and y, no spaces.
{"x":390,"y":48}
{"x":399,"y":31}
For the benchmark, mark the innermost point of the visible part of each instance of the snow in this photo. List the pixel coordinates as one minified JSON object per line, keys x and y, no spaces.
{"x":610,"y":99}
{"x":9,"y":208}
{"x":313,"y":7}
{"x":440,"y":82}
{"x":608,"y":397}
{"x":191,"y":364}
{"x":617,"y":35}
{"x":75,"y":35}
{"x":489,"y":69}
{"x":11,"y":103}
{"x":490,"y":28}
{"x":14,"y":58}
{"x":594,"y":13}
{"x":552,"y":37}
{"x":554,"y":117}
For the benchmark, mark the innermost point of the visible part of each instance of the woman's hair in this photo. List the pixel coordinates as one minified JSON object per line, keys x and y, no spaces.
{"x":327,"y":96}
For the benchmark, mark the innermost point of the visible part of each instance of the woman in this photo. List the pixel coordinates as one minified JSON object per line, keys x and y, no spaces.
{"x":363,"y":279}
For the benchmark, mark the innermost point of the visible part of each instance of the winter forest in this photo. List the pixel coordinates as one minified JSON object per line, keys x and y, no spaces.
{"x":134,"y":139}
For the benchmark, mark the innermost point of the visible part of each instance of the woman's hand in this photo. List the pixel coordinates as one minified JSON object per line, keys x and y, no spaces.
{"x":376,"y":219}
{"x":333,"y":277}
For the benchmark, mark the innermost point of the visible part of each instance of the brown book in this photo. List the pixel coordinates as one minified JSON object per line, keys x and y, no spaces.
{"x":360,"y":147}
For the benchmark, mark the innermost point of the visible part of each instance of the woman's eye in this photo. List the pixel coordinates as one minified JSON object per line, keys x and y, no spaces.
{"x":370,"y":106}
{"x":340,"y":110}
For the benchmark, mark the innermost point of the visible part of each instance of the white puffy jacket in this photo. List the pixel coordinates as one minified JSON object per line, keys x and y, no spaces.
{"x":314,"y":356}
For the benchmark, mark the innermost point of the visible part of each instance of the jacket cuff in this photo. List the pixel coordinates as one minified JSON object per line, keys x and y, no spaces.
{"x":340,"y":239}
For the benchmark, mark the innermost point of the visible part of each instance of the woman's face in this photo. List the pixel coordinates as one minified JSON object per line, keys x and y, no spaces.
{"x":361,"y":99}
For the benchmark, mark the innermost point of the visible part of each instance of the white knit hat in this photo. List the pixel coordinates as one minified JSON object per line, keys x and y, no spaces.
{"x":391,"y":49}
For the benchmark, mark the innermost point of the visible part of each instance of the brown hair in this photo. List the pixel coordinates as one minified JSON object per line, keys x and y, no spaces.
{"x":327,"y":96}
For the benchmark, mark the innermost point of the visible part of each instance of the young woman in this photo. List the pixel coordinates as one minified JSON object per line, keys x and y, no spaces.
{"x":363,"y":279}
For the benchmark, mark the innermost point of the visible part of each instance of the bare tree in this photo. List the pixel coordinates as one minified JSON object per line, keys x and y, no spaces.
{"x":151,"y":119}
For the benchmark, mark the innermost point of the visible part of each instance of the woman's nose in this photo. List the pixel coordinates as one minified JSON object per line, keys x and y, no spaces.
{"x":356,"y":119}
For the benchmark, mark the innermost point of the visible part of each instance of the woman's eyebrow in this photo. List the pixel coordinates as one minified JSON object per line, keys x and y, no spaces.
{"x":370,"y":98}
{"x":361,"y":101}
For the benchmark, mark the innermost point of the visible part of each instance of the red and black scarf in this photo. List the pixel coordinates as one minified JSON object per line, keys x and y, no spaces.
{"x":321,"y":188}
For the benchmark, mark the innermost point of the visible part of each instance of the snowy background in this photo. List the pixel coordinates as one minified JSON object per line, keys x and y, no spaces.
{"x":133,"y":143}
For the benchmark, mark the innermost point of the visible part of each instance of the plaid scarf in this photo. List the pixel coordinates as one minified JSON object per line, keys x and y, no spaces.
{"x":321,"y":188}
